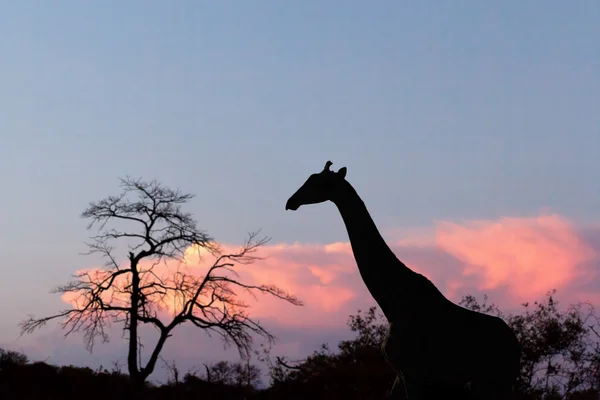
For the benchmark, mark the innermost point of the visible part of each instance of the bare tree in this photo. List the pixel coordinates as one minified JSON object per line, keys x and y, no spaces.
{"x":157,"y":231}
{"x":172,"y":372}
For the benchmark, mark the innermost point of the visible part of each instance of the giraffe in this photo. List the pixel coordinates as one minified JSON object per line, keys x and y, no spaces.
{"x":430,"y":340}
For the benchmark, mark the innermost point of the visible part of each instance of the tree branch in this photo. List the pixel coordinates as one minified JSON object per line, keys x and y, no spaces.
{"x":158,"y":231}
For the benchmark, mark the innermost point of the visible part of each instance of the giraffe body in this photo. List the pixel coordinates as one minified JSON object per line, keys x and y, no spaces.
{"x":430,"y":339}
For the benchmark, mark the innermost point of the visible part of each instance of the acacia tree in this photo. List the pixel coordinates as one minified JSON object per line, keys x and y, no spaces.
{"x":561,"y":349}
{"x":148,"y":218}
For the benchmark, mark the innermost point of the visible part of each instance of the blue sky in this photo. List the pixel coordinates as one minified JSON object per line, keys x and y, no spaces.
{"x":440,"y":111}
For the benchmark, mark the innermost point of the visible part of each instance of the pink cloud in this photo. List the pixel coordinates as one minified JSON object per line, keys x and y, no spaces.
{"x":529,"y":256}
{"x":518,"y":259}
{"x":321,"y":275}
{"x":511,"y":259}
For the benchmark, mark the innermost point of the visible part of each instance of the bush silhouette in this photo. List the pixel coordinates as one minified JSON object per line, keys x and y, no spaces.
{"x":561,"y":346}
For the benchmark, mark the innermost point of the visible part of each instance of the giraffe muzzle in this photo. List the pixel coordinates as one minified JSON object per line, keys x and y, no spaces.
{"x":291,"y":205}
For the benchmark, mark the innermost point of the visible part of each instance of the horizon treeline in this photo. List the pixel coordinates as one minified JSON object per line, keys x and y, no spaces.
{"x":561,"y":360}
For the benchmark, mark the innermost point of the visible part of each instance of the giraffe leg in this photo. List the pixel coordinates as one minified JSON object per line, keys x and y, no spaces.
{"x":409,"y":384}
{"x":482,"y":390}
{"x":397,"y":391}
{"x":415,"y":385}
{"x":401,"y":388}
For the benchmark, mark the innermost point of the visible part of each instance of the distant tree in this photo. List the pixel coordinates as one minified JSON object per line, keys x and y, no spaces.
{"x":561,"y":357}
{"x":147,"y":216}
{"x":246,"y":374}
{"x":239,"y":373}
{"x":9,"y":358}
{"x":172,"y":372}
{"x":356,"y":371}
{"x":561,"y":351}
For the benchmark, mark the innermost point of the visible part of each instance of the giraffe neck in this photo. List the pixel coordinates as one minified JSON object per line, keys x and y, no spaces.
{"x":380,"y":269}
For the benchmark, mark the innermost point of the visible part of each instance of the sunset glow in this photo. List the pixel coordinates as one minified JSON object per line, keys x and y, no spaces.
{"x":528,"y":255}
{"x":469,"y":133}
{"x":525,"y":257}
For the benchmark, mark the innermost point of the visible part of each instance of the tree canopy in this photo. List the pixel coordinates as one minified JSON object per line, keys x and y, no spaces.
{"x":148,"y":218}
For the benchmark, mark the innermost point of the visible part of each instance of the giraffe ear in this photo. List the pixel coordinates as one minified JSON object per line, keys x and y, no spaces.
{"x":342,"y":172}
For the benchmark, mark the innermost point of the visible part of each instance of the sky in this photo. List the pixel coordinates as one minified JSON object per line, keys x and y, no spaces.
{"x":470,"y":129}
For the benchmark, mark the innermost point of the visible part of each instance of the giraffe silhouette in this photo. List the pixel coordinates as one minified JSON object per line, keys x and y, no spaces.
{"x":430,"y":341}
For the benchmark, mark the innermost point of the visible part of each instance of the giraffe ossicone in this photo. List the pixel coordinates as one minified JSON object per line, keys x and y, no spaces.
{"x":430,"y":340}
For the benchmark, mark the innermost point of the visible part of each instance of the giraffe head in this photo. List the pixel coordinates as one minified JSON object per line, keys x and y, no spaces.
{"x":318,"y":188}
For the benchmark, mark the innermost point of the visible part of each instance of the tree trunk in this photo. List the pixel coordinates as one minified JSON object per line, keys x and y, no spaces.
{"x":135,"y":391}
{"x":136,"y":378}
